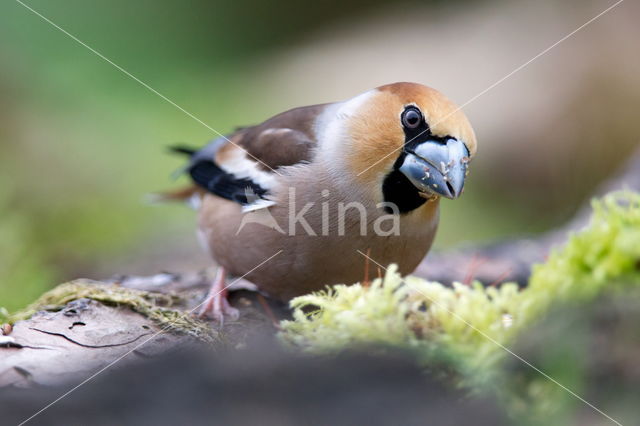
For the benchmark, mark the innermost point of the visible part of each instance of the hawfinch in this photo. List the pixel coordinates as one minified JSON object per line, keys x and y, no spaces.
{"x":292,"y":204}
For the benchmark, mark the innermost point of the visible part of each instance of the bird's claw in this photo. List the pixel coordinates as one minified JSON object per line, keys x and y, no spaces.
{"x":218,"y":308}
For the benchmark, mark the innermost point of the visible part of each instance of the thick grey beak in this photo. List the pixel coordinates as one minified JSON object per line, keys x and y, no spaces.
{"x":437,"y":168}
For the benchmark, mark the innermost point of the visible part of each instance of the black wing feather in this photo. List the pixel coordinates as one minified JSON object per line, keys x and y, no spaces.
{"x":208,"y":175}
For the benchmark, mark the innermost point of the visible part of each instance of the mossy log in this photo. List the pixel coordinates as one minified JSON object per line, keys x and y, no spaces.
{"x":82,"y":327}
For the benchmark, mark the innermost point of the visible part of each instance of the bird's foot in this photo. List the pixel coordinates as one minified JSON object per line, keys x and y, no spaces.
{"x":216,"y":306}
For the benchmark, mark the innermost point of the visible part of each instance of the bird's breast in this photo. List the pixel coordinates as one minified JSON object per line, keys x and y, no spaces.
{"x":320,"y":235}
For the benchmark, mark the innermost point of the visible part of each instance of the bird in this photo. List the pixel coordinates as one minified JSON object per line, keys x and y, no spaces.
{"x":292,"y":204}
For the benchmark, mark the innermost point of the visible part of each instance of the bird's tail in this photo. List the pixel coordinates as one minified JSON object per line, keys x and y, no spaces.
{"x":188,"y":193}
{"x":191,"y":195}
{"x":182,"y":149}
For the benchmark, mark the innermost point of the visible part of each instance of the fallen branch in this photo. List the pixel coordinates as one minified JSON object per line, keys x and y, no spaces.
{"x":83,"y":326}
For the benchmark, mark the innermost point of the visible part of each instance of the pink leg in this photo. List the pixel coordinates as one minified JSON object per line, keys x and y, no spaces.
{"x":216,"y":305}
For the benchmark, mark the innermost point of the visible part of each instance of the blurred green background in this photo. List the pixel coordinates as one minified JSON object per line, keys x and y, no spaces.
{"x":81,"y":143}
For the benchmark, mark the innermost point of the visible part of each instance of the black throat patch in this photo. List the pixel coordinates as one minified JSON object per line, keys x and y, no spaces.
{"x":399,"y":190}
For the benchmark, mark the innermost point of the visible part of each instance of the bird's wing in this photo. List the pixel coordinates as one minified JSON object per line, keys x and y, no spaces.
{"x":243,"y":166}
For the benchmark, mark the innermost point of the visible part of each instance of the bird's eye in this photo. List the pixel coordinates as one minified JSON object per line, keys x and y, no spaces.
{"x":411,"y":118}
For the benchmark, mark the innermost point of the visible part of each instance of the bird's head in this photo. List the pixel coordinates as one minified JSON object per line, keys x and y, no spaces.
{"x":408,"y":140}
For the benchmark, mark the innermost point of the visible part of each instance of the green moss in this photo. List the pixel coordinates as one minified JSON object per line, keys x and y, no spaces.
{"x":155,"y":306}
{"x":409,"y":312}
{"x":473,"y":325}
